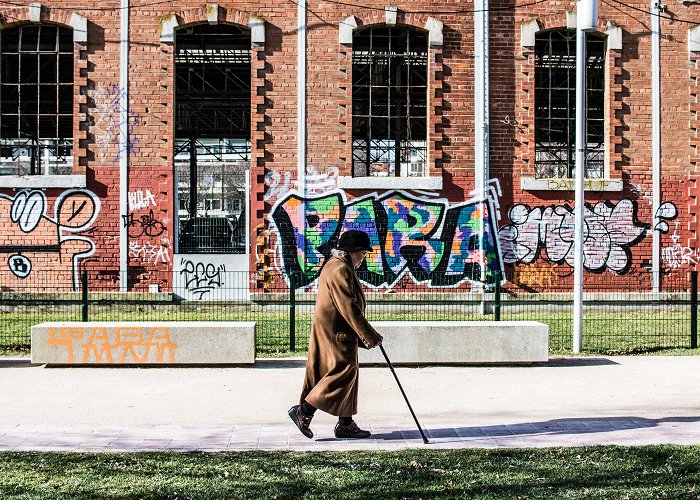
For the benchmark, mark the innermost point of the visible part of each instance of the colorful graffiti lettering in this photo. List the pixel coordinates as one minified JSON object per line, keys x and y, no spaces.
{"x":548,"y":232}
{"x":427,"y":239}
{"x":37,"y":243}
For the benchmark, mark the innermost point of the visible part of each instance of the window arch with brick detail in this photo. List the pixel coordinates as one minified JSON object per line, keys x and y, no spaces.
{"x":36,"y":100}
{"x":212,"y":136}
{"x":390,"y":102}
{"x":545,"y":132}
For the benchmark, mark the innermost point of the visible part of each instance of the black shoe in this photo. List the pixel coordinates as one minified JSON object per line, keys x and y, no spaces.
{"x":350,"y":431}
{"x":300,"y":420}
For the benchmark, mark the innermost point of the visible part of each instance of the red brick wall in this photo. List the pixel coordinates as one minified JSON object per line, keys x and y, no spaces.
{"x":329,"y":81}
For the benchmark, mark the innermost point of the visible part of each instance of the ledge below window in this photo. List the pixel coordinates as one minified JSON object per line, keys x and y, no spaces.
{"x":418,"y":183}
{"x":555,"y":184}
{"x":42,"y":181}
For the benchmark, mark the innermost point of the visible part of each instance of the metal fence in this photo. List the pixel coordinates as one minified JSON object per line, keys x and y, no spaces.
{"x":622,"y":314}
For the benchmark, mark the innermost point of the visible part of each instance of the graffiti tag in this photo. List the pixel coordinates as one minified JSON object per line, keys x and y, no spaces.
{"x":145,"y":225}
{"x":115,"y":345}
{"x":201,"y":278}
{"x":139,"y":200}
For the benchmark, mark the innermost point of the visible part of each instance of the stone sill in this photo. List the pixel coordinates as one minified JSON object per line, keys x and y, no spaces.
{"x":42,"y":181}
{"x":534,"y":184}
{"x":419,"y":183}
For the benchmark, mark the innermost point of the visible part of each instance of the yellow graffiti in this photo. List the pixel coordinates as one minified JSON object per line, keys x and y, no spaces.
{"x":132,"y":344}
{"x":536,"y":278}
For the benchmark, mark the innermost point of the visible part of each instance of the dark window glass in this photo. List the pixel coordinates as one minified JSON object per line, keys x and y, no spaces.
{"x":36,"y":100}
{"x":389,"y":91}
{"x":555,"y":104}
{"x":212,"y":136}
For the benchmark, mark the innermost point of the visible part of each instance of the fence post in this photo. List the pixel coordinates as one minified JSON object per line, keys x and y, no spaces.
{"x":292,"y":312}
{"x":497,"y":305}
{"x":693,"y":309}
{"x":84,"y":288}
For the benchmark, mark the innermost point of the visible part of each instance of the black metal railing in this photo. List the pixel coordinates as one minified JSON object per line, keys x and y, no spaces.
{"x":622,"y":314}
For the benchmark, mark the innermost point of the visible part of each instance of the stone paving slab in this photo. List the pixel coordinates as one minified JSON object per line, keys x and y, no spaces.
{"x":564,"y":402}
{"x":583,"y":432}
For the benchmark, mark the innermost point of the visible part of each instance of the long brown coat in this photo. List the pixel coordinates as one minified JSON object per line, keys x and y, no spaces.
{"x":339,"y":326}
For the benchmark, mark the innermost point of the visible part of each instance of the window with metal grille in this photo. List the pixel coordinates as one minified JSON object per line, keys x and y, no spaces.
{"x":36,"y":100}
{"x":212,"y":136}
{"x":555,"y":105}
{"x":389,"y":102}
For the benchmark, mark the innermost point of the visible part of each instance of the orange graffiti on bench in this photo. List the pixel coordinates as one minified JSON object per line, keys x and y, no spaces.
{"x":132,"y":344}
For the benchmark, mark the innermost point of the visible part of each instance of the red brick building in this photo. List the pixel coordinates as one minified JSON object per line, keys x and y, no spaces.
{"x":289,"y":123}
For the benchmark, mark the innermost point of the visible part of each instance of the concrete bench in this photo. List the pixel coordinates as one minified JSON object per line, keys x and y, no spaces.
{"x":460,"y":342}
{"x":144,"y":343}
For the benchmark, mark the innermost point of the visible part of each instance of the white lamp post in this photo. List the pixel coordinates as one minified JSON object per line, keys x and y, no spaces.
{"x":586,"y":20}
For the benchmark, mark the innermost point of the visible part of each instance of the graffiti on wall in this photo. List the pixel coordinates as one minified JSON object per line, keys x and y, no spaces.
{"x":145,"y":225}
{"x":138,"y":200}
{"x":316,"y":183}
{"x":664,"y":214}
{"x":428,"y":239}
{"x":677,"y":255}
{"x":35,"y":242}
{"x":202,"y":278}
{"x":114,"y":344}
{"x":148,"y":252}
{"x":610,"y":230}
{"x":105,"y":119}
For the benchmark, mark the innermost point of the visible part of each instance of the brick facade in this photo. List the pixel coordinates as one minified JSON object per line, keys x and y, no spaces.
{"x":530,"y":223}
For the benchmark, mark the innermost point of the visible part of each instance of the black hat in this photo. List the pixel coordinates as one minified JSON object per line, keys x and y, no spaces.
{"x":354,"y":241}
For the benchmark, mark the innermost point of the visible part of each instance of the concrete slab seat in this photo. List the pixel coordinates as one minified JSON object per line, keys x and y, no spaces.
{"x":460,"y":342}
{"x":144,"y":343}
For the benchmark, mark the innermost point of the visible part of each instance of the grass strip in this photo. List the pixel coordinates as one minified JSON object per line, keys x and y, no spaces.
{"x":664,"y":471}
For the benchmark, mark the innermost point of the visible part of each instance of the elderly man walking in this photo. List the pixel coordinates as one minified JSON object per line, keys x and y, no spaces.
{"x":339,"y":328}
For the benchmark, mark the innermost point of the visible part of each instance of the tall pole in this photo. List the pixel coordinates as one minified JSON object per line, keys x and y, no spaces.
{"x":123,"y":144}
{"x":586,"y":20}
{"x":481,"y":111}
{"x":655,"y":142}
{"x":301,"y":116}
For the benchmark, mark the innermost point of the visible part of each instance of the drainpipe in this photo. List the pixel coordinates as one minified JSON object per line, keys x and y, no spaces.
{"x":655,"y":141}
{"x":301,"y":110}
{"x":481,"y":114}
{"x":301,"y":96}
{"x":123,"y":145}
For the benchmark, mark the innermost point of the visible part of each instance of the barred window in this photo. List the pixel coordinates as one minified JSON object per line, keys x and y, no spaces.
{"x":555,"y":105}
{"x":212,"y":136}
{"x":389,"y":102}
{"x":36,"y":100}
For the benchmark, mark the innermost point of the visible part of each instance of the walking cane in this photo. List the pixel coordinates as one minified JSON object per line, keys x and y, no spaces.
{"x":425,"y":439}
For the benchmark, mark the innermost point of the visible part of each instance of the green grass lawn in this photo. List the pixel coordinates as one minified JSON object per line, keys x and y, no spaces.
{"x":606,"y":331}
{"x":592,"y":472}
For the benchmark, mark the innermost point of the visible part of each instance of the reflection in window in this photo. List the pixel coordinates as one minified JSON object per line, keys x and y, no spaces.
{"x":555,"y":105}
{"x":389,"y":102}
{"x":36,"y":100}
{"x":212,"y":136}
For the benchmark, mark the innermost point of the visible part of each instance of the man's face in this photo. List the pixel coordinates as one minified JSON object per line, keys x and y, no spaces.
{"x":358,"y":257}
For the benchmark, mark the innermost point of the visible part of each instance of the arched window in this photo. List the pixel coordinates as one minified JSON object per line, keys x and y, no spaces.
{"x":212,"y":136}
{"x":36,"y":100}
{"x":389,"y":102}
{"x":555,"y":104}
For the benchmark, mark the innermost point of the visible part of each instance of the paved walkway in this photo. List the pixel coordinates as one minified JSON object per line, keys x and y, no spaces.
{"x":565,"y":402}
